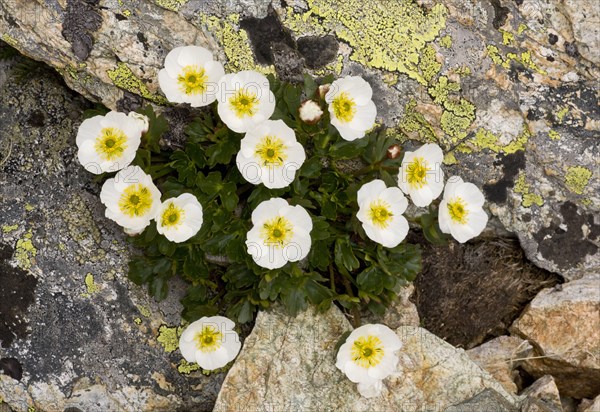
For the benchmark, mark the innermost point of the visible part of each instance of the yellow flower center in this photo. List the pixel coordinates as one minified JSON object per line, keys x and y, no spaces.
{"x":380,"y":213}
{"x":367,"y":351}
{"x":172,"y":216}
{"x":271,"y":151}
{"x":209,"y":339}
{"x":244,"y":103}
{"x":344,"y":107}
{"x":417,"y":172}
{"x":192,"y":80}
{"x":277,"y":232}
{"x":458,"y":211}
{"x":136,"y":200}
{"x":111,"y":143}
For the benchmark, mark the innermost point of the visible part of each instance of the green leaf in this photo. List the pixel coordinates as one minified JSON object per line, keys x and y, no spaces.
{"x":210,"y":184}
{"x":140,"y":271}
{"x":159,"y":288}
{"x":432,"y":231}
{"x":319,"y":254}
{"x":348,"y":150}
{"x":291,"y":96}
{"x":194,"y":267}
{"x":294,"y":301}
{"x":320,"y":229}
{"x":310,"y":86}
{"x":228,"y":196}
{"x":158,"y":125}
{"x":221,"y":152}
{"x":311,"y":167}
{"x":344,"y":255}
{"x":371,"y":279}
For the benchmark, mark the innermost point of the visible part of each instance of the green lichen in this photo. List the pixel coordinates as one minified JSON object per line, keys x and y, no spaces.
{"x":186,"y":368}
{"x":173,"y":5}
{"x":527,"y":198}
{"x":168,"y":337}
{"x":124,"y":78}
{"x":235,"y":43}
{"x":485,"y":139}
{"x":373,"y":31}
{"x":414,"y":124}
{"x":446,"y":41}
{"x":553,"y":134}
{"x":560,"y":115}
{"x":25,"y":251}
{"x":577,"y":178}
{"x":9,"y":228}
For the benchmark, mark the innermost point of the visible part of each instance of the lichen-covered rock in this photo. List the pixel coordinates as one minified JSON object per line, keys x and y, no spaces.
{"x":542,"y":396}
{"x":500,"y":357}
{"x":563,"y":324}
{"x":289,"y":364}
{"x":74,"y":332}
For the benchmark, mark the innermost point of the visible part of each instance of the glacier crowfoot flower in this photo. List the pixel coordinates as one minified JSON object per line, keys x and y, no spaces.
{"x":380,"y":211}
{"x":281,"y":233}
{"x":461,"y":211}
{"x":131,"y":199}
{"x":421,"y":176}
{"x":190,"y":76}
{"x":270,"y":154}
{"x":211,"y":342}
{"x":108,"y":143}
{"x":179,"y":218}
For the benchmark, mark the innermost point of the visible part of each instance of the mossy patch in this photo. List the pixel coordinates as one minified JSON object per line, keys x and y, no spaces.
{"x":577,"y":178}
{"x":124,"y":78}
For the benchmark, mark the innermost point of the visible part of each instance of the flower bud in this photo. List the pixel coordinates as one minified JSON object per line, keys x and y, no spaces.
{"x":142,"y":120}
{"x":394,"y":151}
{"x":310,"y":112}
{"x":324,"y":89}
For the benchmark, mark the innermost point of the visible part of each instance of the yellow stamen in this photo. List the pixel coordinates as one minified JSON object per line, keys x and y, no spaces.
{"x":244,"y":103}
{"x":380,"y":213}
{"x":458,"y":211}
{"x":417,"y":172}
{"x":172,"y":216}
{"x":209,"y":339}
{"x":344,"y":107}
{"x":136,"y":200}
{"x":367,"y":351}
{"x":271,"y":151}
{"x":192,"y":80}
{"x":111,"y":143}
{"x":277,"y":232}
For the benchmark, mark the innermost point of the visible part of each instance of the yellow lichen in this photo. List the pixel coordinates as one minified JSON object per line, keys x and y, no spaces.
{"x":527,"y":198}
{"x":507,"y":37}
{"x":522,"y":28}
{"x":168,"y":337}
{"x":144,"y":310}
{"x":7,"y":38}
{"x":446,"y":41}
{"x":553,"y":134}
{"x":25,"y":251}
{"x":485,"y":139}
{"x":577,"y":178}
{"x":29,"y":207}
{"x":415,"y":125}
{"x":137,"y":321}
{"x":90,"y":284}
{"x":186,"y":368}
{"x":373,"y":32}
{"x":525,"y":59}
{"x":560,"y":115}
{"x":235,"y":43}
{"x":124,"y":78}
{"x":450,"y":159}
{"x":9,"y":228}
{"x":173,"y":5}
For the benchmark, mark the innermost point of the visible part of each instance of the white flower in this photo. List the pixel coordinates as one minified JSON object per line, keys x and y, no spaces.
{"x":190,"y":76}
{"x":142,"y":119}
{"x":270,"y":154}
{"x":380,"y":211}
{"x":350,"y":106}
{"x":131,"y":199}
{"x":108,"y":143}
{"x":281,"y":233}
{"x":179,"y":218}
{"x":211,"y":342}
{"x":461,"y":211}
{"x":245,"y":100}
{"x":368,"y":356}
{"x":421,"y":176}
{"x":310,"y":112}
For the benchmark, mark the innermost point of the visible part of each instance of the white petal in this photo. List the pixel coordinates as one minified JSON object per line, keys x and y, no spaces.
{"x":357,"y":374}
{"x":230,"y":118}
{"x":89,"y":129}
{"x":435,"y":181}
{"x":249,"y":168}
{"x":109,"y":195}
{"x":213,"y":360}
{"x":296,"y":156}
{"x":451,"y":185}
{"x":364,"y":118}
{"x":298,"y":217}
{"x":389,"y":338}
{"x":298,"y":247}
{"x":370,"y":191}
{"x":421,"y":197}
{"x":194,"y":55}
{"x":470,"y":194}
{"x":170,"y":87}
{"x":395,"y":198}
{"x":275,"y":177}
{"x":267,"y":210}
{"x":386,"y":367}
{"x":431,"y":152}
{"x":395,"y":233}
{"x":172,"y":65}
{"x":283,"y":131}
{"x":370,"y":390}
{"x":347,"y":133}
{"x":444,"y":218}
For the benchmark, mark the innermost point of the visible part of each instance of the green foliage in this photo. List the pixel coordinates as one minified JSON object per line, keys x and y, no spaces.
{"x":343,"y":265}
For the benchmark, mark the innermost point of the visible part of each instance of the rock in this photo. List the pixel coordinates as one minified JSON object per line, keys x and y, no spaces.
{"x":542,"y":396}
{"x":507,"y":88}
{"x":488,"y":400}
{"x":589,"y":405}
{"x":75,"y":333}
{"x":500,"y":357}
{"x":564,"y":327}
{"x":288,"y":364}
{"x":402,"y":312}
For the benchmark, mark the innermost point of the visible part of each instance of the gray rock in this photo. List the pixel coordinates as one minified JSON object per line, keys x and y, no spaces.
{"x":542,"y":396}
{"x":74,"y":331}
{"x":289,"y":364}
{"x":488,"y":400}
